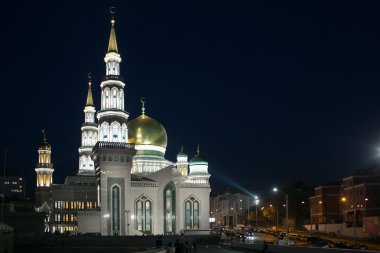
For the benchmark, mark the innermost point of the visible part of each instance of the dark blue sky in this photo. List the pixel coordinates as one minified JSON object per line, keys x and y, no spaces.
{"x":272,"y":91}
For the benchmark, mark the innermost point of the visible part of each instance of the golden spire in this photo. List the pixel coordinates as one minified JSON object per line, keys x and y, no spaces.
{"x":43,"y":136}
{"x":112,"y":45}
{"x":198,"y":150}
{"x":89,"y":101}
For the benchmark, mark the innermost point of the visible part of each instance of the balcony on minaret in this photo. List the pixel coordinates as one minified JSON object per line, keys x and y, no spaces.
{"x":44,"y":165}
{"x":113,"y":77}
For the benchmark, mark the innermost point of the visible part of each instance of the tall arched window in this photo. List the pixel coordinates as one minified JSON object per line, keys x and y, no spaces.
{"x":169,"y":209}
{"x":114,"y":98}
{"x":121,"y":100}
{"x":90,"y":139}
{"x":143,"y":207}
{"x":85,"y":138}
{"x":105,"y":131}
{"x":83,"y":161}
{"x":103,"y":100}
{"x":107,"y":98}
{"x":115,"y":132}
{"x":191,"y":213}
{"x":90,"y":164}
{"x":124,"y":133}
{"x":115,"y":208}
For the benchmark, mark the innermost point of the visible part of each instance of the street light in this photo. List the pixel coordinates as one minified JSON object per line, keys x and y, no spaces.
{"x":287,"y":209}
{"x":256,"y":202}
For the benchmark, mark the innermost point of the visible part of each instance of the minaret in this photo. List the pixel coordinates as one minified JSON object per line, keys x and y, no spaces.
{"x":112,"y":119}
{"x":182,"y":163}
{"x":44,"y":167}
{"x":89,"y":135}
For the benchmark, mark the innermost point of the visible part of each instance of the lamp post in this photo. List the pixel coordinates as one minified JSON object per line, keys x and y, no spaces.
{"x":127,"y":211}
{"x":287,"y":209}
{"x":106,"y":216}
{"x":256,"y":202}
{"x":249,"y":203}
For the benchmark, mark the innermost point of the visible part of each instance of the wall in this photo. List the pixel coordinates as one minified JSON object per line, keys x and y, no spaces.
{"x":340,"y":229}
{"x":88,"y":222}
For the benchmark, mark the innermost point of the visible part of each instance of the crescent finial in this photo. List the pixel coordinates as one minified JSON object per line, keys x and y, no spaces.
{"x":143,"y":105}
{"x":89,"y":75}
{"x":112,"y":10}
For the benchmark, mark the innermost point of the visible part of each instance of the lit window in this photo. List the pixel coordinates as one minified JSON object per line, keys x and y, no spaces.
{"x":107,"y":99}
{"x":115,"y":130}
{"x":114,"y":98}
{"x":192,"y":213}
{"x":105,"y":132}
{"x":124,"y":134}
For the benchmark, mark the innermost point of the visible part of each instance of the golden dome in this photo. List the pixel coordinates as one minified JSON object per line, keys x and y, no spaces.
{"x":144,"y":130}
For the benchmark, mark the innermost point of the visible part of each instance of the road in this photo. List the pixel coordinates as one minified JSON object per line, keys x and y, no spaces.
{"x":214,"y":248}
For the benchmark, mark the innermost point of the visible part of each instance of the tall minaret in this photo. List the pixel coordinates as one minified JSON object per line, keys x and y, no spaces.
{"x":44,"y":167}
{"x":89,"y":135}
{"x":112,"y":119}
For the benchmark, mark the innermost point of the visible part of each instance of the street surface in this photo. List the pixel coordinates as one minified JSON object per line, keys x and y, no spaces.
{"x":214,"y":248}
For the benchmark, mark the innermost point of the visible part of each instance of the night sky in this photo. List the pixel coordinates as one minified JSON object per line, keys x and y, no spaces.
{"x":271,"y":91}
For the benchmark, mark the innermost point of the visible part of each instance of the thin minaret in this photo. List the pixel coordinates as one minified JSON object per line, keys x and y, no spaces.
{"x":89,"y":135}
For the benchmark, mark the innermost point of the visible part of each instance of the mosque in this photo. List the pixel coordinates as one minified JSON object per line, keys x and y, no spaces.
{"x":124,"y":184}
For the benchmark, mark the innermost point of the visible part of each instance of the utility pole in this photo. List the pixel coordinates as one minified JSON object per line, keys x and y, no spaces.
{"x":287,"y":214}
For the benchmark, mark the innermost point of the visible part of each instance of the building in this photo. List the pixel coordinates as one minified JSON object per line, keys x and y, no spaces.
{"x":325,"y":204}
{"x":124,"y":184}
{"x":349,"y":208}
{"x":230,"y":209}
{"x":14,"y":187}
{"x":360,"y":197}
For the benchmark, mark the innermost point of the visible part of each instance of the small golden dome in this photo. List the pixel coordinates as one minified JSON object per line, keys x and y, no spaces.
{"x":144,"y":130}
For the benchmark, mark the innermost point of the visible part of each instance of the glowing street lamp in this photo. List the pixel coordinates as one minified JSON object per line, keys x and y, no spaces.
{"x":275,"y":189}
{"x":256,"y":203}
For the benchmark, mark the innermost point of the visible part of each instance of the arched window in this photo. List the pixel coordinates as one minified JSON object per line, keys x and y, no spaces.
{"x":85,"y":138}
{"x":191,"y":213}
{"x":121,"y":100}
{"x":90,"y":164}
{"x":115,"y":132}
{"x":169,"y":209}
{"x":124,"y":133}
{"x":143,"y":207}
{"x":83,"y":161}
{"x":103,"y":103}
{"x":107,"y":99}
{"x":114,"y":98}
{"x":105,"y":131}
{"x":115,"y":208}
{"x":90,"y":139}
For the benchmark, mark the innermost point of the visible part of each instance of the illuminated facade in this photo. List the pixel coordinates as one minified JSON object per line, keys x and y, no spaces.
{"x":124,"y":184}
{"x":138,"y":190}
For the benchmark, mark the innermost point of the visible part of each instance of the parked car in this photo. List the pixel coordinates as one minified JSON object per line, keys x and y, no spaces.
{"x":359,"y":246}
{"x":341,"y":245}
{"x":285,"y":242}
